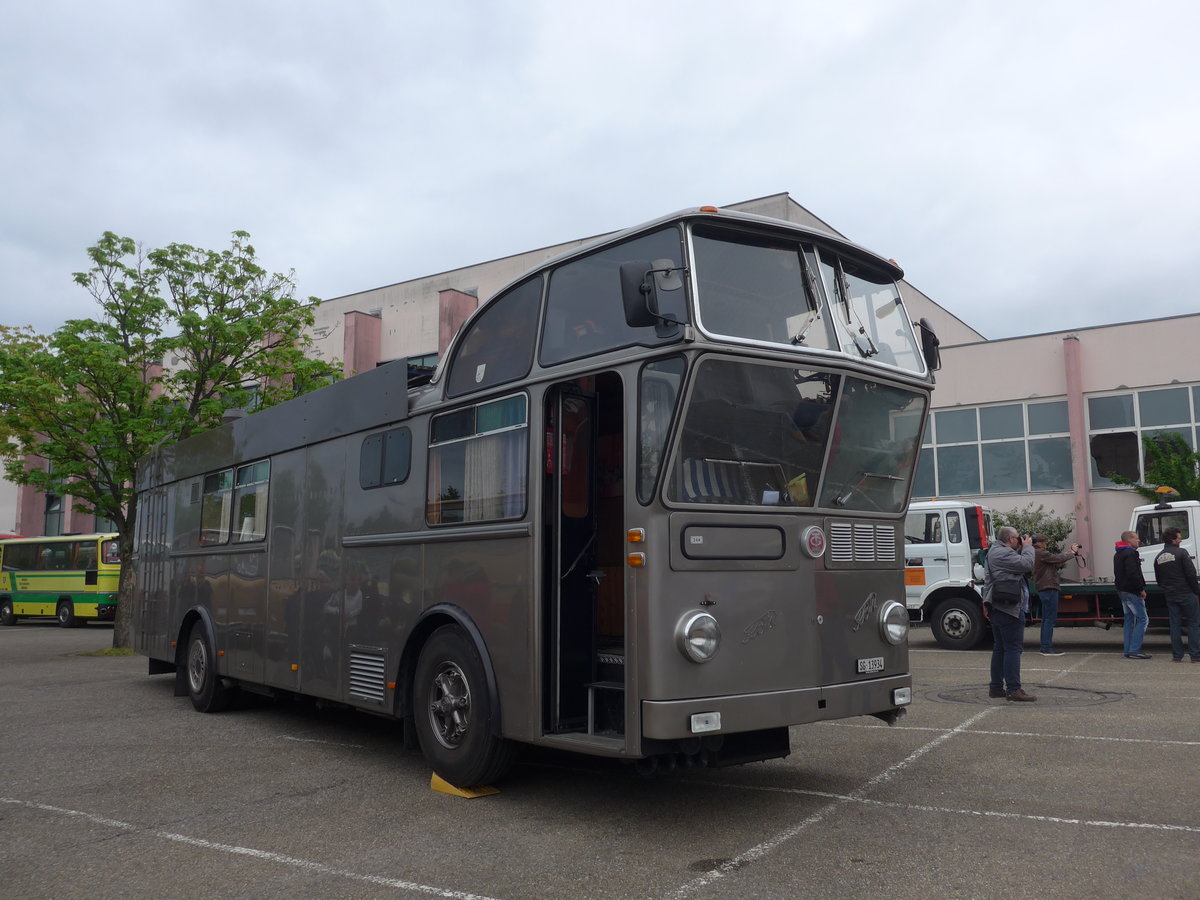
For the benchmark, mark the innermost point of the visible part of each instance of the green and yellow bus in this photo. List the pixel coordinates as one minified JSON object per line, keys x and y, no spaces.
{"x":73,"y":577}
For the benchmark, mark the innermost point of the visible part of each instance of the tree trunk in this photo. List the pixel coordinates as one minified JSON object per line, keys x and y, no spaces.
{"x":123,"y":623}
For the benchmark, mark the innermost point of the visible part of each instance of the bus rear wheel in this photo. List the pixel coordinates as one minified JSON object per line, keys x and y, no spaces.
{"x":958,"y":624}
{"x":6,"y":612}
{"x":66,"y":614}
{"x":205,"y":689}
{"x":453,"y":714}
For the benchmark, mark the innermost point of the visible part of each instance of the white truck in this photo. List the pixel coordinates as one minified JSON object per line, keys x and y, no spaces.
{"x":942,"y":540}
{"x":943,"y":576}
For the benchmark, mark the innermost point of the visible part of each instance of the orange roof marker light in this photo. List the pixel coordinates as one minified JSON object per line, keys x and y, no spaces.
{"x":711,"y":209}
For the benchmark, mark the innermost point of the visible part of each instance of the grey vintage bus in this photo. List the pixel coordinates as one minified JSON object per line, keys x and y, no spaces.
{"x":649,"y":506}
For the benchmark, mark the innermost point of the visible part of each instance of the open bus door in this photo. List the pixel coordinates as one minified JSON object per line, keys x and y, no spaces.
{"x":571,"y":470}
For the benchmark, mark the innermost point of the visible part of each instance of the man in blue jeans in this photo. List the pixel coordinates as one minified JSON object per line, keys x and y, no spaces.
{"x":1131,"y":588}
{"x":1045,"y":577}
{"x":1006,"y":602}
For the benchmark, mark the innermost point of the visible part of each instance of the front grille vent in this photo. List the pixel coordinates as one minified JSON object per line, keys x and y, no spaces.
{"x":862,"y":542}
{"x":368,"y":678}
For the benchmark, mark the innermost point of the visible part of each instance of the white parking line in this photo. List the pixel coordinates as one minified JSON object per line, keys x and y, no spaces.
{"x":318,"y":741}
{"x":305,"y":864}
{"x":762,"y":849}
{"x":982,"y":813}
{"x":1033,"y":734}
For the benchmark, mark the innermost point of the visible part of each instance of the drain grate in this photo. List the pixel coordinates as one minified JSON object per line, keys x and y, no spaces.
{"x":1047,"y":695}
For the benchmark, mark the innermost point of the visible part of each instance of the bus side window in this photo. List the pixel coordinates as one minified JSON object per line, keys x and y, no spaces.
{"x":584,"y":312}
{"x":250,"y":501}
{"x":498,"y":345}
{"x":85,"y":558}
{"x":953,"y":528}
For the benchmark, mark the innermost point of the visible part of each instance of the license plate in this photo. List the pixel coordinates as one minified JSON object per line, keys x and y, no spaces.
{"x":870,"y":664}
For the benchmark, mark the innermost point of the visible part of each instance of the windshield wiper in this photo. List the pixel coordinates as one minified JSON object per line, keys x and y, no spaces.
{"x":803,"y":333}
{"x":840,"y":499}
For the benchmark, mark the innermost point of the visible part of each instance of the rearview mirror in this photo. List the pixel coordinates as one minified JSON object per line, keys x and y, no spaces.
{"x":639,"y":293}
{"x":930,"y":345}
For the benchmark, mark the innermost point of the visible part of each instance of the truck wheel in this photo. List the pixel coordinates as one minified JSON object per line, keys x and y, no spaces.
{"x":452,"y":712}
{"x":6,"y":612}
{"x":66,"y":614}
{"x":958,"y":623}
{"x":207,"y":692}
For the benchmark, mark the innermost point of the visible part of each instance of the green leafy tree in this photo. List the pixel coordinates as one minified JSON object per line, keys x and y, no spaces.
{"x":1170,"y":462}
{"x":183,"y":335}
{"x":1037,"y":520}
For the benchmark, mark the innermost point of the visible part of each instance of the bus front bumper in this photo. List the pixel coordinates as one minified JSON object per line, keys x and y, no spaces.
{"x":673,"y":719}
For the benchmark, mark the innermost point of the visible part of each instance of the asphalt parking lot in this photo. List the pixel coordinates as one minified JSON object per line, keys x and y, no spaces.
{"x":113,"y":787}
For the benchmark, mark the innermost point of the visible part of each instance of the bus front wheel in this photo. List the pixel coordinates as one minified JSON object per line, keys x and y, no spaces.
{"x":207,"y":692}
{"x":452,"y":712}
{"x":66,"y":614}
{"x":6,"y":612}
{"x":958,"y":624}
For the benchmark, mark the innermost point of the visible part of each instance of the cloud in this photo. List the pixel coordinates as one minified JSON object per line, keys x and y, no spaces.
{"x":1026,"y":163}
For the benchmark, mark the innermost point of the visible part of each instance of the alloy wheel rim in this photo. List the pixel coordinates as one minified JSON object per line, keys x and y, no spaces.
{"x":450,"y":705}
{"x":197,"y":666}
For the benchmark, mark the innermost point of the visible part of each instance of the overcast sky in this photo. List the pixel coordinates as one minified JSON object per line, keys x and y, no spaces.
{"x":1032,"y":165}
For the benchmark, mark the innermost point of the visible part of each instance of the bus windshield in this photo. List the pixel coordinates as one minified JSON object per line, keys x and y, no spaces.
{"x":771,"y":290}
{"x":757,"y":434}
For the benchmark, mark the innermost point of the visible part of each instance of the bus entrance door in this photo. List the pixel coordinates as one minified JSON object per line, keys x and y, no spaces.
{"x":571,"y":494}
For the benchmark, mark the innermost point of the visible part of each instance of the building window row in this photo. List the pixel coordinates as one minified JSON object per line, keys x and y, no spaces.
{"x":1026,"y":447}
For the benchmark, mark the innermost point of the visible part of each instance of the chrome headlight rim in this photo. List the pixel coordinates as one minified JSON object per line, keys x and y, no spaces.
{"x":893,"y":623}
{"x":698,"y":636}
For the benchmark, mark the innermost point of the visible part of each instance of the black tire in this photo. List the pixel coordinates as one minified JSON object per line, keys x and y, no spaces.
{"x":453,"y":713}
{"x":205,"y":688}
{"x":958,"y":624}
{"x":66,"y":614}
{"x":6,"y":612}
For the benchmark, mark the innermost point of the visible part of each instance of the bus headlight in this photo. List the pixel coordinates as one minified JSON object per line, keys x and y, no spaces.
{"x":893,"y":622}
{"x":699,"y":636}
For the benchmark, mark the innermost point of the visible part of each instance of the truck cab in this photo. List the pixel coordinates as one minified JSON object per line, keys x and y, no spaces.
{"x":943,"y":545}
{"x":1149,"y":523}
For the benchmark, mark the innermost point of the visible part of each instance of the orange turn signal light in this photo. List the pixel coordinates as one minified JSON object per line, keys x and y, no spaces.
{"x":636,"y":535}
{"x":636,"y":560}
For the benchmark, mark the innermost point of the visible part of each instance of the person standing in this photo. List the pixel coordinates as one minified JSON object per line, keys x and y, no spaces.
{"x":1006,"y":602}
{"x":1176,"y":575}
{"x":1046,"y":566}
{"x":1131,"y":588}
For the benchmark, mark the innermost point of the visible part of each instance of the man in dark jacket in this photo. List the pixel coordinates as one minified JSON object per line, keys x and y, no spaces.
{"x":1131,"y":588}
{"x":1006,"y":601}
{"x":1045,"y":578}
{"x":1176,"y":575}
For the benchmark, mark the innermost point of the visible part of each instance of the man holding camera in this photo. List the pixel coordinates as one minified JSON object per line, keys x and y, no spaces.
{"x":1005,"y":603}
{"x":1046,"y":566}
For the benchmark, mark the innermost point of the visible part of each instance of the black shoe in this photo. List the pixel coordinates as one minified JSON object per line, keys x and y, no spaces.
{"x":1020,"y":696}
{"x":1138,"y":655}
{"x":1176,"y":659}
{"x":996,"y":692}
{"x":1054,"y":652}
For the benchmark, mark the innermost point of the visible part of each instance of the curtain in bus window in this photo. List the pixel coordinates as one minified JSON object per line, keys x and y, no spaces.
{"x":216,"y":507}
{"x":495,"y":476}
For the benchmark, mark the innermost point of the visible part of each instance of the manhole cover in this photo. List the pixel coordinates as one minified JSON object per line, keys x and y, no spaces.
{"x":1047,"y":695}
